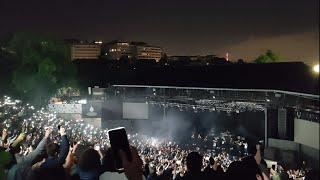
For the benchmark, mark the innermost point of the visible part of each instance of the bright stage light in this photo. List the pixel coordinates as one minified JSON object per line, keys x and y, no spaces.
{"x":82,"y":101}
{"x":154,"y":142}
{"x":316,"y":68}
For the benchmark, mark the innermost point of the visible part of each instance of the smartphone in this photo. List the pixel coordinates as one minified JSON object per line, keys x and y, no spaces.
{"x":119,"y":141}
{"x":59,"y":126}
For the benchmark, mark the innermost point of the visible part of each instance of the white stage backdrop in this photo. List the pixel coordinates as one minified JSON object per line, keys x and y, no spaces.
{"x":306,"y":132}
{"x":135,"y":110}
{"x":66,"y":108}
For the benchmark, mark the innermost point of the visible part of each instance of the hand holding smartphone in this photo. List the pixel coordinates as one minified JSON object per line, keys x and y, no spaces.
{"x":119,"y":142}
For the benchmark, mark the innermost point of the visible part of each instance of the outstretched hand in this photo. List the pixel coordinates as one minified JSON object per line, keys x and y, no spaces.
{"x":74,"y":147}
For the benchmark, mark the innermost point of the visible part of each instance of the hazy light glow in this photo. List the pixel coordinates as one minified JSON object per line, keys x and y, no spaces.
{"x":316,"y":68}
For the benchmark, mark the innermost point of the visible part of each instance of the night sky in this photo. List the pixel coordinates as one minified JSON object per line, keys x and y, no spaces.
{"x":244,"y":28}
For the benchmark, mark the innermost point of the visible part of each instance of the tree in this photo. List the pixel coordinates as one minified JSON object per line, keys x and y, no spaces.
{"x":124,"y":60}
{"x":268,"y":57}
{"x":66,"y":93}
{"x":43,"y":66}
{"x":164,"y":59}
{"x":240,"y":61}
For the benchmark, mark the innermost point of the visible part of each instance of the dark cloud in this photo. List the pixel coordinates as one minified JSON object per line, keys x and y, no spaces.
{"x":182,"y":27}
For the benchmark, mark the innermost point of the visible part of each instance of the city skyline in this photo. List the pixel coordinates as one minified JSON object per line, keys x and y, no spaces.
{"x":244,"y":29}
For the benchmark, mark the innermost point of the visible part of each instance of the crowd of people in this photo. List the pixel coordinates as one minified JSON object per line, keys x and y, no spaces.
{"x":36,"y":144}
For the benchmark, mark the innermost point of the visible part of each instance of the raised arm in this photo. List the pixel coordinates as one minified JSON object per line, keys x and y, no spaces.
{"x":41,"y":147}
{"x":64,"y":146}
{"x":3,"y":137}
{"x":257,"y":156}
{"x":69,"y":161}
{"x":133,"y":169}
{"x":19,"y":139}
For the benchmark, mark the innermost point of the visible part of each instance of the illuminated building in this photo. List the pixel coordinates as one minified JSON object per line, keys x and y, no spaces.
{"x":148,"y":52}
{"x":85,"y":51}
{"x":116,"y":49}
{"x":139,"y":50}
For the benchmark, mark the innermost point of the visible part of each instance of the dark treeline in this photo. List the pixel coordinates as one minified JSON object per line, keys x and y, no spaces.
{"x":295,"y":77}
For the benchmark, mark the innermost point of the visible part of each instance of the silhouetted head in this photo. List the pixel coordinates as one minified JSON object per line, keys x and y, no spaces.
{"x":211,"y":161}
{"x":51,"y":149}
{"x":246,"y":169}
{"x":89,"y":160}
{"x":194,"y":162}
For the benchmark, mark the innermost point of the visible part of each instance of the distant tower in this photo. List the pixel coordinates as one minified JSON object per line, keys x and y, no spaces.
{"x":227,"y":56}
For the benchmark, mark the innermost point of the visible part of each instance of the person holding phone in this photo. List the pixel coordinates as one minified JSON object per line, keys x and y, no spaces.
{"x":53,"y":165}
{"x":122,"y":161}
{"x":132,"y":170}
